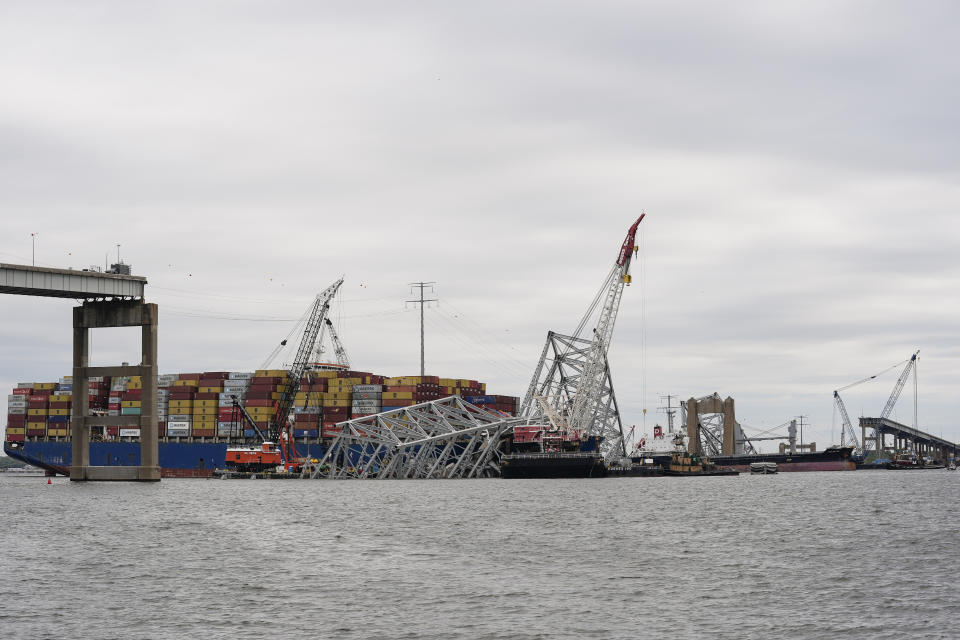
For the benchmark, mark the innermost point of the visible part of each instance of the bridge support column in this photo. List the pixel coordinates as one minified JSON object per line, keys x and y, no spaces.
{"x":118,"y":313}
{"x":729,"y":428}
{"x":693,"y":426}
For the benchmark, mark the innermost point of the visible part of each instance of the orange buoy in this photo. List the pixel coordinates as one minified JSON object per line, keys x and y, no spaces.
{"x":49,"y":481}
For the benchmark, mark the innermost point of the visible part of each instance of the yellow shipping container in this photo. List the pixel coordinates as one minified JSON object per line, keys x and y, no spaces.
{"x":205,"y":422}
{"x":344,"y":382}
{"x":186,"y":383}
{"x":206,"y":403}
{"x":37,"y":412}
{"x":134,"y":385}
{"x":15,"y":431}
{"x":448,"y":382}
{"x":211,"y":389}
{"x":44,"y":385}
{"x":180,"y":404}
{"x":57,"y":433}
{"x":126,"y":404}
{"x":61,"y":398}
{"x":397,"y":395}
{"x":336,"y":403}
{"x":338,"y":395}
{"x":271,"y":373}
{"x":205,"y":411}
{"x":321,"y":374}
{"x":59,"y":412}
{"x":260,"y":411}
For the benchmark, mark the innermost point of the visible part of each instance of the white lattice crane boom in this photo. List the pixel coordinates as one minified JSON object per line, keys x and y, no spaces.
{"x":594,"y":371}
{"x":898,"y":387}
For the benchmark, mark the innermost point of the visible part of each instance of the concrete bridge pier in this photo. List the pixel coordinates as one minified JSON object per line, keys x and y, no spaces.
{"x":115,"y":313}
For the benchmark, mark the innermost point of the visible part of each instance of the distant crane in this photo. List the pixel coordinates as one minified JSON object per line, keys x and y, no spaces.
{"x":848,"y":435}
{"x":338,"y":349}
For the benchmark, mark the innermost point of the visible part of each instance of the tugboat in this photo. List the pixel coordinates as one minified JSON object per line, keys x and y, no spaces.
{"x":909,"y":460}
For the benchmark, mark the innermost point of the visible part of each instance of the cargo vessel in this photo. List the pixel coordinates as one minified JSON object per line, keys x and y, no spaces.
{"x":830,"y":459}
{"x":198,"y":415}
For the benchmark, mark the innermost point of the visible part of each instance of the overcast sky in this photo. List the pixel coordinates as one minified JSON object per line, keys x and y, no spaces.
{"x":797,"y":162}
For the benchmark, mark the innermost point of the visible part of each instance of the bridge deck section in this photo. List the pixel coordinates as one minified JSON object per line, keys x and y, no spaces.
{"x":68,"y":283}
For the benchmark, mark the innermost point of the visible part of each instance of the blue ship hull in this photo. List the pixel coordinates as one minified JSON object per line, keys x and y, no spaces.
{"x":177,"y":459}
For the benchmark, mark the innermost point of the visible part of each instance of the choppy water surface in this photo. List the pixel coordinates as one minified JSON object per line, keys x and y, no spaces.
{"x":802,"y":555}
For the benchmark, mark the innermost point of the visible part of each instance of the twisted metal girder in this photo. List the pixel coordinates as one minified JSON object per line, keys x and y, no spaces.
{"x":447,"y":438}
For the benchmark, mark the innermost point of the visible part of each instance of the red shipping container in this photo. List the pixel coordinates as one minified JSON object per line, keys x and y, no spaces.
{"x":16,"y":421}
{"x":207,"y":396}
{"x":65,"y":404}
{"x":113,"y":431}
{"x":181,"y":395}
{"x":132,"y":394}
{"x":23,"y":391}
{"x":16,"y":438}
{"x":37,"y":431}
{"x":114,"y":405}
{"x":188,"y":376}
{"x":259,"y":395}
{"x":214,"y":375}
{"x":259,"y":402}
{"x":41,"y":393}
{"x":35,"y":402}
{"x":204,"y":433}
{"x":227,"y":412}
{"x":211,"y":382}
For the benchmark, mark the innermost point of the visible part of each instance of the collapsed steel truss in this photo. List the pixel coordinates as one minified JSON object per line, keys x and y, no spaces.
{"x":555,"y":385}
{"x":447,"y":438}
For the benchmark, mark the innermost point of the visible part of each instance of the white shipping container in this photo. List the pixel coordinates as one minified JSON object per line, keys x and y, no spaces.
{"x":129,"y":433}
{"x":178,"y":432}
{"x":308,"y":410}
{"x":95,"y":379}
{"x":24,"y":385}
{"x":368,"y":387}
{"x":180,"y":417}
{"x":239,"y":375}
{"x":17,"y":411}
{"x":113,"y":412}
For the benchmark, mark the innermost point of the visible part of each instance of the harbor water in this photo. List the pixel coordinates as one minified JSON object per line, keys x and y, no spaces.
{"x":870,"y":554}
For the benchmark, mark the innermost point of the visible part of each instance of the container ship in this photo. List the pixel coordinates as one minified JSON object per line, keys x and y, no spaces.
{"x":199,"y":419}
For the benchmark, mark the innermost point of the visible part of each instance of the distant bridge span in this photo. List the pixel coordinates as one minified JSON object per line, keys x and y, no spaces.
{"x":923,"y":443}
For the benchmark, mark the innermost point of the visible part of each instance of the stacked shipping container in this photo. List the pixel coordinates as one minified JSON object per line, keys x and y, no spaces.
{"x":200,"y":405}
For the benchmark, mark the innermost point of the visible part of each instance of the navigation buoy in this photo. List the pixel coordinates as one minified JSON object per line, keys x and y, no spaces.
{"x":49,"y":480}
